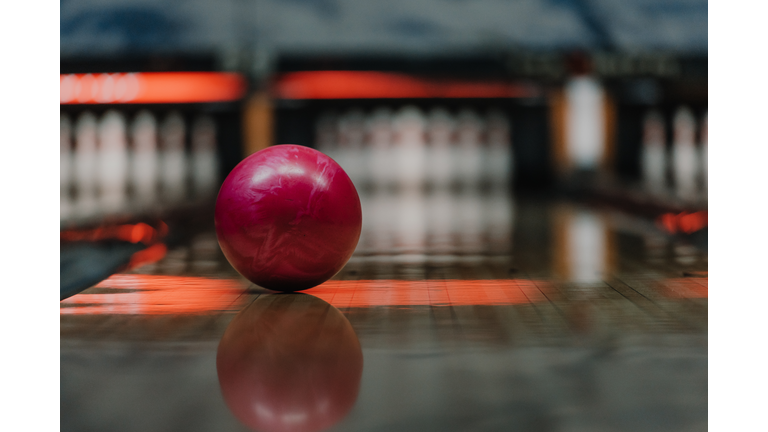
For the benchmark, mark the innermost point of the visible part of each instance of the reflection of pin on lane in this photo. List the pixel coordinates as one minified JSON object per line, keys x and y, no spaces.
{"x":583,"y":249}
{"x":289,"y":362}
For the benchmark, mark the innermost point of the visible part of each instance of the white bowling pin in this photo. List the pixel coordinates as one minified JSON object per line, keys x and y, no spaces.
{"x":704,"y":150}
{"x":584,"y":123}
{"x":65,"y":170}
{"x":326,"y":134}
{"x":113,"y":162}
{"x":440,"y":152}
{"x":380,"y":218}
{"x":470,"y":149}
{"x":85,"y":164}
{"x":352,"y":136}
{"x":379,"y":148}
{"x":173,"y":158}
{"x":144,"y":160}
{"x":205,"y":161}
{"x":653,"y":156}
{"x":409,"y":147}
{"x":684,"y":154}
{"x":470,"y":220}
{"x":499,"y":151}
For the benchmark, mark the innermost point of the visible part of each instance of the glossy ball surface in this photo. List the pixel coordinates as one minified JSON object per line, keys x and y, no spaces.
{"x":288,"y":218}
{"x":289,"y":363}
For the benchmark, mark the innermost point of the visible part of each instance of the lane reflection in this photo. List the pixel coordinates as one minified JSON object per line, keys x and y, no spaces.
{"x":289,"y":362}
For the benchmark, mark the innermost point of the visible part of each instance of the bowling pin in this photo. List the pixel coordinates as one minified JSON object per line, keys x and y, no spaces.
{"x":378,"y":147}
{"x":173,"y":159}
{"x":440,"y":157}
{"x":684,"y":158}
{"x":144,"y":159}
{"x":409,"y":147}
{"x":584,"y":123}
{"x":65,"y":170}
{"x":470,"y":149}
{"x":352,"y":136}
{"x":326,"y":134}
{"x":470,"y":220}
{"x":205,"y":161}
{"x":499,"y":151}
{"x":703,"y":155}
{"x":113,"y":162}
{"x":85,"y":175}
{"x":653,"y":156}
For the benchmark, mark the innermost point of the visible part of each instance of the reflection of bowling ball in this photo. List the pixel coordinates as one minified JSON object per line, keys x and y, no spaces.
{"x":289,"y":362}
{"x":288,"y":218}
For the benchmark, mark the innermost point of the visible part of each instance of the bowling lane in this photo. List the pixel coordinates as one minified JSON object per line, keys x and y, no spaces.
{"x":472,"y":310}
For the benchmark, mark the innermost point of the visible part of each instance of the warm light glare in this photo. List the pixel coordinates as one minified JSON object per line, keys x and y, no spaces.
{"x":151,"y":87}
{"x":158,"y":295}
{"x":437,"y":292}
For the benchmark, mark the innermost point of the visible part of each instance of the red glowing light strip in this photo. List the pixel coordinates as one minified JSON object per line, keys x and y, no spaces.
{"x":683,"y":222}
{"x":151,"y":88}
{"x":382,"y":85}
{"x":135,"y":233}
{"x":158,"y":295}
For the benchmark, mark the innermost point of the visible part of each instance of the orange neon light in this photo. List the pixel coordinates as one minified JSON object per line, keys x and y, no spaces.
{"x":382,"y":85}
{"x":683,"y":222}
{"x":158,"y":295}
{"x":151,"y":87}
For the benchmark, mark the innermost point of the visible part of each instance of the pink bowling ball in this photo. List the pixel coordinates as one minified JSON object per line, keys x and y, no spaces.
{"x":288,"y":218}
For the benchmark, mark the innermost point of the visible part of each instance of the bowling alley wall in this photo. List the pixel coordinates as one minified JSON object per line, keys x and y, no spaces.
{"x":147,"y":137}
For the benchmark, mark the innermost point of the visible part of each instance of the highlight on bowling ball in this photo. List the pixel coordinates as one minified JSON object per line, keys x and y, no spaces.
{"x":288,"y":218}
{"x":289,"y":362}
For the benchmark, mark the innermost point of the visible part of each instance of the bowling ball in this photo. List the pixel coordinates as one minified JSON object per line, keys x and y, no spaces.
{"x":288,"y":218}
{"x":289,"y":362}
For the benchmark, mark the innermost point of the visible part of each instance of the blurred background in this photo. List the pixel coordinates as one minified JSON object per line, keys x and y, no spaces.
{"x":159,"y":100}
{"x":547,"y":159}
